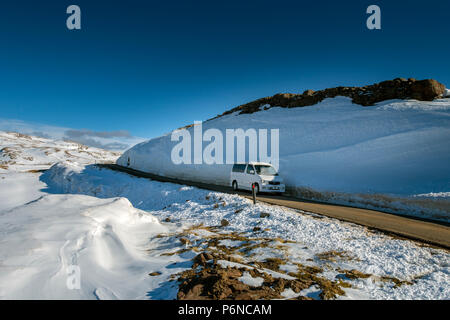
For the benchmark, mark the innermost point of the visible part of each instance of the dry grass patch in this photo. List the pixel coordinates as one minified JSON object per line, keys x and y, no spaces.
{"x":209,"y":280}
{"x":334,"y":256}
{"x":354,"y":274}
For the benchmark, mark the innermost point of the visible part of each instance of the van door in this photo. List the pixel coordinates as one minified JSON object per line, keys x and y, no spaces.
{"x":249,"y":177}
{"x":242,"y":177}
{"x":239,"y":175}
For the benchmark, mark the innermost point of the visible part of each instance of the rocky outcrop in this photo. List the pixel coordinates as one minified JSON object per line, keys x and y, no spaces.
{"x":400,"y":88}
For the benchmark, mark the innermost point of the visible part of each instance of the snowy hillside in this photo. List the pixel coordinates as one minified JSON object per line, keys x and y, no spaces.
{"x":23,"y":156}
{"x":394,"y":155}
{"x":133,"y":238}
{"x":20,"y":152}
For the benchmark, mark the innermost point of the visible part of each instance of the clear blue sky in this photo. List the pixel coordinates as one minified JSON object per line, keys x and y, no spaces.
{"x":152,"y":66}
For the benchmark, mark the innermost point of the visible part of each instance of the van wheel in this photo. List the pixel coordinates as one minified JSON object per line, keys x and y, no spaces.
{"x":235,"y":185}
{"x":256,"y":188}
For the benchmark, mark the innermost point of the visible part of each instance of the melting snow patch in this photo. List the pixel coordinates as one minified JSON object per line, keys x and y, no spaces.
{"x":289,"y":294}
{"x":312,"y":292}
{"x":247,"y":279}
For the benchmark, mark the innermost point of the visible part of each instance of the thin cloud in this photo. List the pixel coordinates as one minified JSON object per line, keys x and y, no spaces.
{"x":115,"y":146}
{"x":72,"y":133}
{"x":40,"y":134}
{"x":111,"y":140}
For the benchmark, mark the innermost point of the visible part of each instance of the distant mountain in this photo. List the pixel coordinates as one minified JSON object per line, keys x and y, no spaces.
{"x":109,"y":140}
{"x":21,"y":152}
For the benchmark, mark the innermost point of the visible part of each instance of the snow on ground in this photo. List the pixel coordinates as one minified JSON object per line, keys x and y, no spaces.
{"x":123,"y":234}
{"x":23,"y":156}
{"x":18,"y":188}
{"x":248,"y":279}
{"x":336,"y":151}
{"x":105,"y":238}
{"x":371,"y":252}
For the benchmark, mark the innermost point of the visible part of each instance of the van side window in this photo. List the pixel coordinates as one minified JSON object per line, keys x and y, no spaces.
{"x":239,"y":168}
{"x":250,"y":167}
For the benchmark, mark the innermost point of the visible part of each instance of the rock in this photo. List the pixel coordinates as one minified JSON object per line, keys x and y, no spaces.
{"x":167,"y":220}
{"x":399,"y":88}
{"x":184,"y":241}
{"x":154,"y":274}
{"x":426,"y":90}
{"x":224,"y":223}
{"x":202,"y":258}
{"x":194,"y":293}
{"x":264,"y":215}
{"x":255,"y":229}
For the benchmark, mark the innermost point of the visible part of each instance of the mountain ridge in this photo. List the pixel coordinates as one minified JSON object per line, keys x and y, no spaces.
{"x":398,"y":88}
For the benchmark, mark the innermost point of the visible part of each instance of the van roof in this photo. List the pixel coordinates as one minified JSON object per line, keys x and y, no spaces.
{"x":255,"y":163}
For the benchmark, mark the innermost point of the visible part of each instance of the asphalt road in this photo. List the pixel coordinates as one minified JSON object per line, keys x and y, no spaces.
{"x":426,"y":231}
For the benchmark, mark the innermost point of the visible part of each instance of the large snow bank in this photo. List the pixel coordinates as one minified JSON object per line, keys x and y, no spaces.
{"x":337,"y":151}
{"x":105,"y":238}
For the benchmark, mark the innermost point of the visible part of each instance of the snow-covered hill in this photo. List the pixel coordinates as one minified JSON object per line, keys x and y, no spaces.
{"x":23,"y":156}
{"x":21,"y":152}
{"x":124,"y":237}
{"x":392,"y":156}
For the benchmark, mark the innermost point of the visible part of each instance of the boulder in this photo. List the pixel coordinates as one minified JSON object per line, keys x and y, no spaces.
{"x":427,"y":90}
{"x":399,"y":88}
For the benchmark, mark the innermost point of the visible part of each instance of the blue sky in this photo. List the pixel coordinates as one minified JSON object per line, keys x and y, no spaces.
{"x":151,"y":66}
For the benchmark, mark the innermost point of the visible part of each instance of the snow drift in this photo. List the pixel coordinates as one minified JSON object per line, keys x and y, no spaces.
{"x":387,"y":156}
{"x":105,"y":238}
{"x":185,"y":206}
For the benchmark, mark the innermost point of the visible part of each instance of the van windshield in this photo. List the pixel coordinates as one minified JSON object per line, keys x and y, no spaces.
{"x":265,"y":170}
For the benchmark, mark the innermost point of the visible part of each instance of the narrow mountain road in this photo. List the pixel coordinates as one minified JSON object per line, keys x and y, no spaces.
{"x":430,"y":232}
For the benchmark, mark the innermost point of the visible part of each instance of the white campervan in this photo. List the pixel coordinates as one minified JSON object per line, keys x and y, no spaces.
{"x":263,"y":175}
